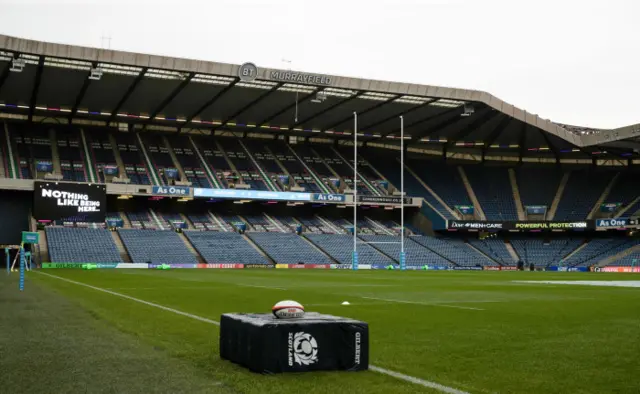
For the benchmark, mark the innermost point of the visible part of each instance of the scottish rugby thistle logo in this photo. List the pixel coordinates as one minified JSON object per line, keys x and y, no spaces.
{"x":305,"y":349}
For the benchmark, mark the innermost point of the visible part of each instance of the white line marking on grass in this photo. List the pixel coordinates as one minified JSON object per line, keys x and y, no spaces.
{"x":262,"y":287}
{"x":165,"y":308}
{"x":423,"y":303}
{"x":415,"y":380}
{"x":384,"y":371}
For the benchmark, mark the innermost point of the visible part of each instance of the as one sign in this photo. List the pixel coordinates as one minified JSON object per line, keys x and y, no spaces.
{"x":171,"y":190}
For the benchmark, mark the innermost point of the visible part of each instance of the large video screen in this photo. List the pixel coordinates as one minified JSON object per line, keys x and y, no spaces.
{"x":59,"y":200}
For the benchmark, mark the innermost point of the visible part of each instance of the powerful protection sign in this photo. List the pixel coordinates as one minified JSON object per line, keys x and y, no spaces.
{"x":59,"y":200}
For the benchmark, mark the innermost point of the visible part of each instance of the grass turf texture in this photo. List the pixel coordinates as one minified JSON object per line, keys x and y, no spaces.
{"x":518,"y":338}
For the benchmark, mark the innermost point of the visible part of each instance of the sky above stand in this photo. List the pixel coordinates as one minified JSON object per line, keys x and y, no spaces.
{"x":574,"y":62}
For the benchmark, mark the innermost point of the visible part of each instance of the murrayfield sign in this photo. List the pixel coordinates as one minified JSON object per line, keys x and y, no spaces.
{"x":298,"y":77}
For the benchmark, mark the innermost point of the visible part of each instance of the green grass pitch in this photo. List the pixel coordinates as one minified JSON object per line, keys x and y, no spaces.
{"x":478,"y":332}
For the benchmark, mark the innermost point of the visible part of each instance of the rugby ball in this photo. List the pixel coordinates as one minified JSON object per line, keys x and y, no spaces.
{"x":288,"y":310}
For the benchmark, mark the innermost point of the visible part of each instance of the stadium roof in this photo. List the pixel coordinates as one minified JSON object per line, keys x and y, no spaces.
{"x":40,"y":79}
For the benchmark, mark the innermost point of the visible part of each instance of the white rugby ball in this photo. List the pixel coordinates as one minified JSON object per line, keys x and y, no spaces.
{"x":288,"y":310}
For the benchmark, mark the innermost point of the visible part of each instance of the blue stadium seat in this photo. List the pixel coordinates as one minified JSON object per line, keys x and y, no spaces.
{"x":287,"y":248}
{"x":340,"y":247}
{"x":81,"y":245}
{"x":227,"y":247}
{"x":156,"y":246}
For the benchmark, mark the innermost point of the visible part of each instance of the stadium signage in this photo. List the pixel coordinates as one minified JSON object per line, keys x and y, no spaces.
{"x":536,"y":209}
{"x":513,"y":225}
{"x":171,"y":190}
{"x":329,"y":197}
{"x":263,"y":266}
{"x":456,"y":224}
{"x":615,"y":223}
{"x":298,"y":77}
{"x":610,"y":207}
{"x":251,"y":194}
{"x":58,"y":200}
{"x":383,"y":200}
{"x":465,"y":209}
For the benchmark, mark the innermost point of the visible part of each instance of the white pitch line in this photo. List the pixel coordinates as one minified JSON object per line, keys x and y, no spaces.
{"x":262,"y":287}
{"x":414,"y":380}
{"x":384,"y":371}
{"x":164,"y":308}
{"x":422,"y":303}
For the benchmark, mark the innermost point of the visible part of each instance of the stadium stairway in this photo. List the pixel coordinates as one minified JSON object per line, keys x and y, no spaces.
{"x":289,"y":248}
{"x":267,"y":180}
{"x":629,"y":207}
{"x":3,"y":155}
{"x":310,"y":170}
{"x":156,"y":179}
{"x":556,"y":200}
{"x":174,"y":159}
{"x":512,"y":251}
{"x":229,"y":162}
{"x":122,"y":170}
{"x":429,"y":190}
{"x":482,"y":253}
{"x":619,"y":256}
{"x":9,"y":153}
{"x":576,"y":251}
{"x":121,"y":249}
{"x":43,"y":247}
{"x":88,"y":161}
{"x":191,"y":248}
{"x":472,"y":194}
{"x":213,"y":179}
{"x":373,"y":190}
{"x":603,"y":196}
{"x":55,"y":155}
{"x":283,"y":169}
{"x":516,"y":193}
{"x":257,"y":247}
{"x":331,"y":169}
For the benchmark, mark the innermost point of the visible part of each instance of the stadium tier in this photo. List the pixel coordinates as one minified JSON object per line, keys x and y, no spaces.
{"x":81,"y":245}
{"x":156,"y":246}
{"x":225,"y":247}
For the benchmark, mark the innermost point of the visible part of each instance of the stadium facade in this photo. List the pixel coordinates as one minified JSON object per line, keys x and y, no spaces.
{"x":256,"y":166}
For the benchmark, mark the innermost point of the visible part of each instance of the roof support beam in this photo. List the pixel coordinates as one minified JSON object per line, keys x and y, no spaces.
{"x":329,"y":108}
{"x":207,"y":104}
{"x":497,"y":131}
{"x":553,"y":148}
{"x":401,"y":113}
{"x":5,"y":74}
{"x":168,"y":99}
{"x":473,"y":126}
{"x":522,"y":140}
{"x":251,"y":104}
{"x":366,"y":111}
{"x":126,"y":95}
{"x":423,"y":120}
{"x":285,"y":109}
{"x":80,"y":96}
{"x":36,"y":88}
{"x":443,"y":124}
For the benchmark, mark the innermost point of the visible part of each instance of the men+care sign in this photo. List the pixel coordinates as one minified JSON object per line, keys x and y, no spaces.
{"x":59,"y":200}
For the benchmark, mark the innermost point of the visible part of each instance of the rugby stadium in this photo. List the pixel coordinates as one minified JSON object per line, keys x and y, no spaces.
{"x":484,"y":248}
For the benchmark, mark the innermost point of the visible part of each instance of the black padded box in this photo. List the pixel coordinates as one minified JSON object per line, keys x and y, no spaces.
{"x":315,"y":342}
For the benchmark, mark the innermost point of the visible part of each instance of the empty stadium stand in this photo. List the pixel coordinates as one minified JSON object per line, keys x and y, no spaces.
{"x":81,"y":245}
{"x":224,"y":247}
{"x":340,"y":248}
{"x":493,"y":190}
{"x":581,"y":193}
{"x":416,"y":253}
{"x":155,"y":246}
{"x":287,"y":248}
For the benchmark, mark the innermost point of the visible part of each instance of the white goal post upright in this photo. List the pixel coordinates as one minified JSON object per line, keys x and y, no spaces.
{"x":403,"y":259}
{"x":354,"y":256}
